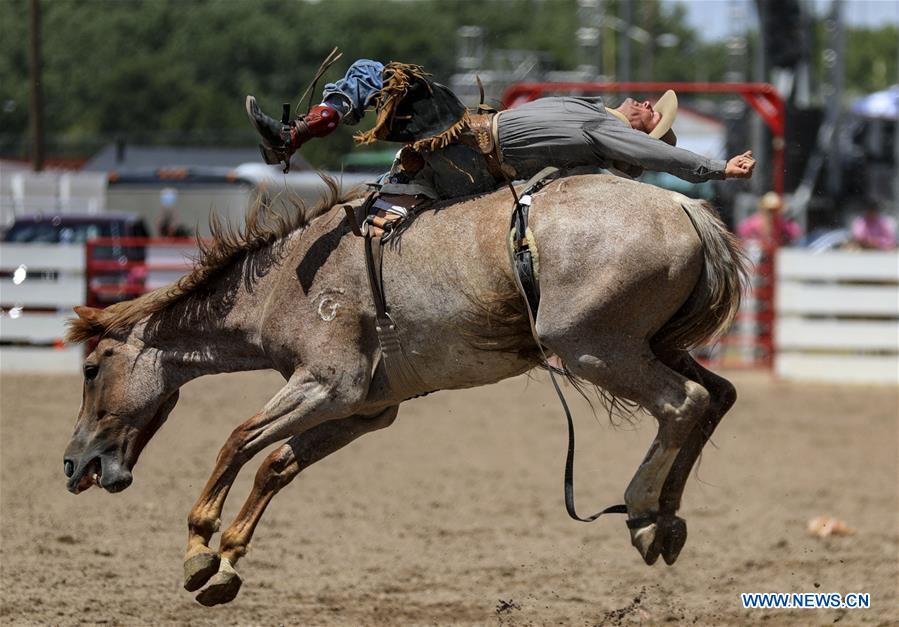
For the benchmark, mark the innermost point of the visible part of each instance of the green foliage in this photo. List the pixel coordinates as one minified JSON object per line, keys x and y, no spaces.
{"x":871,"y":58}
{"x":177,"y":71}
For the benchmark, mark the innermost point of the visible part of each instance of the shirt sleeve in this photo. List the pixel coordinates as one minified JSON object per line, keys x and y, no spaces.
{"x":858,"y":229}
{"x":889,"y":232}
{"x":614,"y":141}
{"x":793,"y":230}
{"x":746,"y":228}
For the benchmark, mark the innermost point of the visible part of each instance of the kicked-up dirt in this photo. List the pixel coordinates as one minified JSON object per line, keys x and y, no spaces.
{"x":454,"y":514}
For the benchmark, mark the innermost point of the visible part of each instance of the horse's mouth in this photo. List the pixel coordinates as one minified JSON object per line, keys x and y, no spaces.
{"x":89,"y":476}
{"x":92,"y":475}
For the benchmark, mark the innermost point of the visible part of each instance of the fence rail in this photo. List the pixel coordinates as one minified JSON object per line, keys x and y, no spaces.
{"x":42,"y":282}
{"x":818,"y":316}
{"x":837,"y":316}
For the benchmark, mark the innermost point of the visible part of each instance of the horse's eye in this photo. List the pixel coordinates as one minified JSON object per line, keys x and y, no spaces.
{"x":90,"y":372}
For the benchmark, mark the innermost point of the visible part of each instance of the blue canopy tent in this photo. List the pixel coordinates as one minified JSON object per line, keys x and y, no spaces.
{"x":880,"y":105}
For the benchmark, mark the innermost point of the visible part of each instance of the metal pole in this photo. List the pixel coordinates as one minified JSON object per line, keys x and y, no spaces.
{"x":896,"y":152}
{"x":834,"y":159}
{"x":609,"y":65}
{"x":37,"y":98}
{"x":761,"y":182}
{"x":649,"y":49}
{"x":627,"y":10}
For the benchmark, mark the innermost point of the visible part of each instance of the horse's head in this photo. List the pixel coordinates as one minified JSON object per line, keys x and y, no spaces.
{"x":126,"y":399}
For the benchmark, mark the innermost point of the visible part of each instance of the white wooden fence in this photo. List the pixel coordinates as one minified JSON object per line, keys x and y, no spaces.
{"x":837,"y":316}
{"x":837,"y":313}
{"x":41,"y":283}
{"x":50,"y":192}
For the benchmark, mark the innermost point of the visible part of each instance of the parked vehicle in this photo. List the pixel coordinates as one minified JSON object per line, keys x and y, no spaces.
{"x":116,"y":266}
{"x":74,"y":228}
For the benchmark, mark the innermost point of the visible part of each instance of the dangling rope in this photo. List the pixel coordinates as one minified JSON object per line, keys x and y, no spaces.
{"x":330,"y":60}
{"x":521,"y":255}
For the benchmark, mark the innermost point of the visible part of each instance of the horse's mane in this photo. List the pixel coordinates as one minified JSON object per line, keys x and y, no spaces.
{"x":262,"y":228}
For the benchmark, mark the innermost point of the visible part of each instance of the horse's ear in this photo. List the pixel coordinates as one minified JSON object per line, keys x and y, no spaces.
{"x":86,"y":326}
{"x":88,"y":314}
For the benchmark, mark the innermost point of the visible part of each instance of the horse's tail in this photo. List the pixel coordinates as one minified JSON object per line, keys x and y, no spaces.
{"x":715,"y":299}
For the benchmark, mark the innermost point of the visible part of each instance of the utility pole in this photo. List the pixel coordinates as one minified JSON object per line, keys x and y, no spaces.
{"x":37,"y":97}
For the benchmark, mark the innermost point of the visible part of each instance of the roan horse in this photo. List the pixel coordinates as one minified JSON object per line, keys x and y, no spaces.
{"x":631,"y":277}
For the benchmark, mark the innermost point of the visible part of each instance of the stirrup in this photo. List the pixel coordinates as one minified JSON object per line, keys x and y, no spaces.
{"x":391,"y":228}
{"x":271,"y":156}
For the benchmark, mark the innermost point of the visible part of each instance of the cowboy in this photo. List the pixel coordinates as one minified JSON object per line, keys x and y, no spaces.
{"x":452,"y":152}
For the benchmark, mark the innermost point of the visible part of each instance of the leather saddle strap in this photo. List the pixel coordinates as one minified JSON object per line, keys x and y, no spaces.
{"x":373,"y":266}
{"x":481,"y":135}
{"x":520,"y":255}
{"x":402,"y":377}
{"x":495,"y":166}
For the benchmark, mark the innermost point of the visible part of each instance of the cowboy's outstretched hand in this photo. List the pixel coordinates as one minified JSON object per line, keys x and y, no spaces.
{"x":740,"y":167}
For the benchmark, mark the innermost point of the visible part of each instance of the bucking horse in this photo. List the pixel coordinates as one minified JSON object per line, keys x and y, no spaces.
{"x":631,"y":278}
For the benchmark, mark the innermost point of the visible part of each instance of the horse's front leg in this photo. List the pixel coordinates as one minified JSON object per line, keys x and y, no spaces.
{"x":279,"y":469}
{"x":303,"y":403}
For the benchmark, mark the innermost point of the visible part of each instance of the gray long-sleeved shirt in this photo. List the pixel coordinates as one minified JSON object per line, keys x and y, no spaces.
{"x":572,"y":132}
{"x":562,"y":132}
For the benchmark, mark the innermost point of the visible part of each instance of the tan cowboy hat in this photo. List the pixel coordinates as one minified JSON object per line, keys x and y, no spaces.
{"x":667,"y":106}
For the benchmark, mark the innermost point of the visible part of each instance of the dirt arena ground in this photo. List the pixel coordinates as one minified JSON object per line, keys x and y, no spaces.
{"x":454,"y":515}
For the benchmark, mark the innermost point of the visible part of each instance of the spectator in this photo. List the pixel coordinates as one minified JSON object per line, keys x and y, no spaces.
{"x":874,"y":230}
{"x":768,"y":224}
{"x":169,"y":227}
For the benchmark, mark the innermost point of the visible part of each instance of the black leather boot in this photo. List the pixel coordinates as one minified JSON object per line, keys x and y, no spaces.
{"x":277,"y":143}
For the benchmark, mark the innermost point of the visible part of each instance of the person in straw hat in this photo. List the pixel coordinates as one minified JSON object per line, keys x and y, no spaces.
{"x":451,"y":151}
{"x":769,"y":225}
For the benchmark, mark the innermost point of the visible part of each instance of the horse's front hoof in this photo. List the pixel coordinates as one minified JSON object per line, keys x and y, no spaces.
{"x":673,"y":533}
{"x":199,"y":568}
{"x":222,"y":588}
{"x":644,"y":540}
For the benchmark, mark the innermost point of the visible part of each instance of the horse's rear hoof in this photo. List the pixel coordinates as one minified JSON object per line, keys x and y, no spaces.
{"x":644,"y":540}
{"x":199,"y":568}
{"x":222,"y":588}
{"x":673,"y":532}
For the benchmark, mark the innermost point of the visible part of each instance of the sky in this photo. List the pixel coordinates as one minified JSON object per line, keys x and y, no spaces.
{"x":712,"y":18}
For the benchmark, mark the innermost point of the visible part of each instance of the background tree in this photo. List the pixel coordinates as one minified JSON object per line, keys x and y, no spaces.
{"x":177,"y":71}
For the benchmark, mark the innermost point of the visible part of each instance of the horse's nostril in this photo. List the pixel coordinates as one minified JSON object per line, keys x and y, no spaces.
{"x":68,"y":467}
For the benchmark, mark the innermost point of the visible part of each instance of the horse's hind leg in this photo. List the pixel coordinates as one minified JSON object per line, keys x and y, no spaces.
{"x":279,"y":469}
{"x":722,"y":396}
{"x":629,"y":369}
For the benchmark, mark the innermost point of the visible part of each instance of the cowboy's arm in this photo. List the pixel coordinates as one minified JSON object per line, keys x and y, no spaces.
{"x":619,"y":143}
